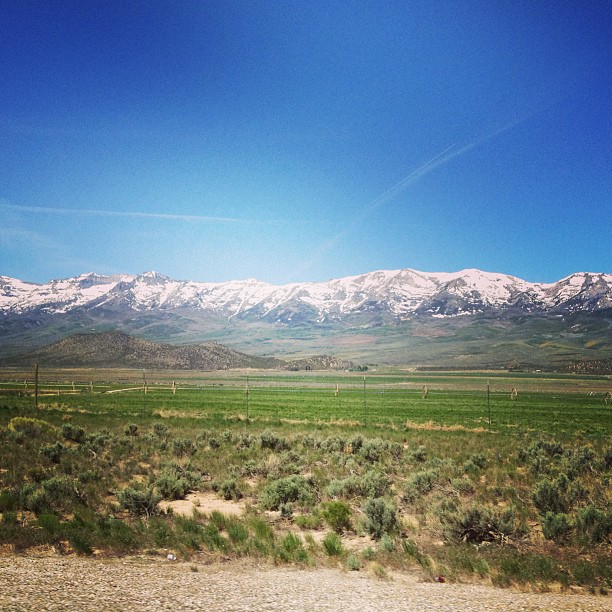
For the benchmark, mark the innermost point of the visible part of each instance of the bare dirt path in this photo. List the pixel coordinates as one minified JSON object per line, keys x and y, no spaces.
{"x":73,"y":583}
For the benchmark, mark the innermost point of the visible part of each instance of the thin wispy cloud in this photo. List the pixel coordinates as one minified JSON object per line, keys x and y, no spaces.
{"x":129,"y":214}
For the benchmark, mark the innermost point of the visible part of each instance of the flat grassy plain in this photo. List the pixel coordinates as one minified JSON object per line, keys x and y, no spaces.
{"x":563,"y":404}
{"x":375,"y":471}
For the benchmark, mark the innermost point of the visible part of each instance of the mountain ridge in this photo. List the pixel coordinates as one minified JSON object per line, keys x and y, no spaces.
{"x":397,"y":293}
{"x":468,"y":318}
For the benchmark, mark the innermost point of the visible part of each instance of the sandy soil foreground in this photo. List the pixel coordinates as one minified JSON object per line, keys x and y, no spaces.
{"x":73,"y":583}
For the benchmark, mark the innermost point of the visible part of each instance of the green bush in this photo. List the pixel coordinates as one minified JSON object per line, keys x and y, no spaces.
{"x":51,"y":524}
{"x":229,"y":490}
{"x":9,"y":517}
{"x":593,"y":525}
{"x":381,"y":517}
{"x":333,"y":444}
{"x":290,"y":489}
{"x":245,"y":441}
{"x":375,"y":484}
{"x":31,"y":428}
{"x":61,"y":491}
{"x":286,"y":510}
{"x":184,"y":447}
{"x":386,"y":543}
{"x":550,"y":448}
{"x":556,"y":495}
{"x":418,"y":484}
{"x":607,"y":459}
{"x":479,"y":460}
{"x":332,"y":545}
{"x":237,"y":532}
{"x":338,"y":516}
{"x":291,"y":549}
{"x":356,"y":443}
{"x":418,"y":455}
{"x":116,"y":534}
{"x":9,"y":500}
{"x":556,"y":526}
{"x":35,"y":499}
{"x":268,"y":439}
{"x":353,"y":564}
{"x":98,"y":440}
{"x":141,"y":502}
{"x":372,"y":484}
{"x":411,"y":549}
{"x":131,"y":429}
{"x":160,"y":429}
{"x":53,"y":452}
{"x":373,"y":449}
{"x":580,"y":461}
{"x":481,"y":524}
{"x":73,"y":433}
{"x":170,"y":485}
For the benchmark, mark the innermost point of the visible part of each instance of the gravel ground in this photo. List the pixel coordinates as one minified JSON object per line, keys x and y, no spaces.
{"x":73,"y":583}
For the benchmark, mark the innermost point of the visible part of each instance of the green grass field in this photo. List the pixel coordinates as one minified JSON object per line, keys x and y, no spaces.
{"x":544,"y":403}
{"x":321,"y":459}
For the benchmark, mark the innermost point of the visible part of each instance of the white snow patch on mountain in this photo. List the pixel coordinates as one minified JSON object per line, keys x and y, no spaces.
{"x":397,"y":292}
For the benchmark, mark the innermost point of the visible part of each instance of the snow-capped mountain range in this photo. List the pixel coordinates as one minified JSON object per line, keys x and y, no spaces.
{"x":397,"y":294}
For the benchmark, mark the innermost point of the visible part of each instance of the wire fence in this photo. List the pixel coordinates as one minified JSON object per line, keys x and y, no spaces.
{"x":359,"y":400}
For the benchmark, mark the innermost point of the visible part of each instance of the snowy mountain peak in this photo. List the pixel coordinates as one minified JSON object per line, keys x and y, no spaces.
{"x":392,"y":294}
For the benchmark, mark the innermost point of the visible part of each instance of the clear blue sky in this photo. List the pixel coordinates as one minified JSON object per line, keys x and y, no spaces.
{"x":294,"y":141}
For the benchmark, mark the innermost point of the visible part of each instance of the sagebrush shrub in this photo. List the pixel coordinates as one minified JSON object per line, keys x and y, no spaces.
{"x":386,"y":543}
{"x":183,"y":447}
{"x":73,"y":433}
{"x":373,"y":449}
{"x":482,"y":524}
{"x":353,"y":564}
{"x":171,"y":486}
{"x":381,"y":517}
{"x":34,"y":498}
{"x":372,"y":484}
{"x":9,"y":500}
{"x":333,"y":444}
{"x":268,"y":439}
{"x":418,"y":484}
{"x":580,"y":461}
{"x":556,"y":495}
{"x":53,"y":452}
{"x":229,"y":490}
{"x":286,"y":510}
{"x":418,"y":455}
{"x":290,"y":489}
{"x":142,"y":502}
{"x":160,"y":429}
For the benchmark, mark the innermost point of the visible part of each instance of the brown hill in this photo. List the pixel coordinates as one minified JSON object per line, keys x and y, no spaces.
{"x":116,"y":349}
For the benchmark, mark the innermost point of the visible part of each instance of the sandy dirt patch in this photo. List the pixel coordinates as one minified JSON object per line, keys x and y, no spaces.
{"x":204,"y":503}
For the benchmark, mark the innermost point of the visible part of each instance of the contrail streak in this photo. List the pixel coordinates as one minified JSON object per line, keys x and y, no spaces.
{"x":438,"y":160}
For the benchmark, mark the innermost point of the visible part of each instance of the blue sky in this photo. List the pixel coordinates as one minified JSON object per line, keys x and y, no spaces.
{"x":292,"y":141}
